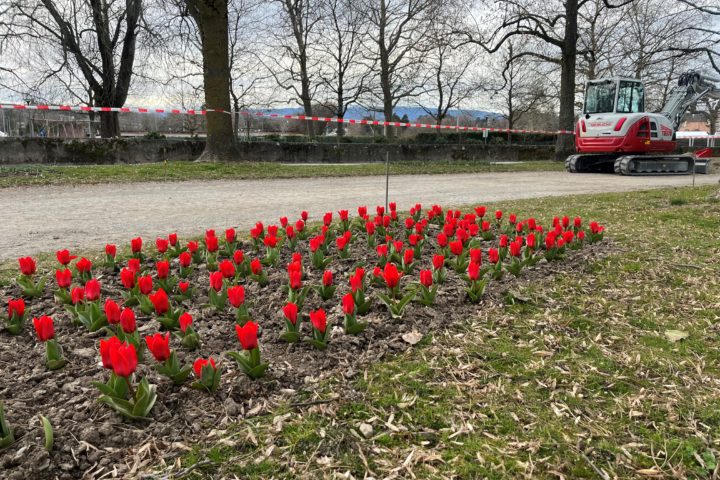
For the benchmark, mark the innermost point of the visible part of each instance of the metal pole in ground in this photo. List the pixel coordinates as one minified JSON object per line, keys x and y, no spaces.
{"x":387,"y":177}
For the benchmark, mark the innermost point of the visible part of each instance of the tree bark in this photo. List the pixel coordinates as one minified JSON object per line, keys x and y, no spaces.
{"x":565,"y":143}
{"x":211,"y":17}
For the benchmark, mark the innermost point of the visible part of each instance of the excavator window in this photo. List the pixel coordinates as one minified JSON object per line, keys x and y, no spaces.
{"x":631,"y":97}
{"x":600,"y":97}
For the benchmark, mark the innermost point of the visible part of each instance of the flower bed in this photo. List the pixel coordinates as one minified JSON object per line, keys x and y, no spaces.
{"x":153,"y":343}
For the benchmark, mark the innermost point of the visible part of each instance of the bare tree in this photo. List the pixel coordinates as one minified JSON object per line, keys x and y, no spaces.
{"x":96,"y":41}
{"x":211,"y":18}
{"x":295,"y":69}
{"x":343,"y":73}
{"x":449,"y":67}
{"x":398,"y":30}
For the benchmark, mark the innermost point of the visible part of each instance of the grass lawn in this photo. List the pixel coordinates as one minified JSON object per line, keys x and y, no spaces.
{"x":21,"y":175}
{"x":582,"y":376}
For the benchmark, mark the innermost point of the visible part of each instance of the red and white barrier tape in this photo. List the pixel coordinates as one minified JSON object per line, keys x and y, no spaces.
{"x":178,"y":111}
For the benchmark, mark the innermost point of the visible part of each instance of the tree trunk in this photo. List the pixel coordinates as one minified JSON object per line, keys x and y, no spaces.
{"x":211,"y":17}
{"x":565,"y":143}
{"x":109,"y":125}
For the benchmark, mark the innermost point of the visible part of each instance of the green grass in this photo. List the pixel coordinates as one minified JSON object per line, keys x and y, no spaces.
{"x":22,"y":175}
{"x":579,"y":380}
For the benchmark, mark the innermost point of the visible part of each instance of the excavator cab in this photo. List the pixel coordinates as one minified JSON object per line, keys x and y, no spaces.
{"x":614,"y":95}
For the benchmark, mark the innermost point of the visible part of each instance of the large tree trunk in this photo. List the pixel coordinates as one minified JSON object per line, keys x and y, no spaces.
{"x":211,"y":17}
{"x":565,"y":143}
{"x":109,"y":125}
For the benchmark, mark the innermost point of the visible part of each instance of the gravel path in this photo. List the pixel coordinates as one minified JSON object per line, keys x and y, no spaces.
{"x":41,"y":219}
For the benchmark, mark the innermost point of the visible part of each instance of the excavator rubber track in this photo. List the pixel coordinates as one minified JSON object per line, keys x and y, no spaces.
{"x":655,"y":164}
{"x":590,"y":163}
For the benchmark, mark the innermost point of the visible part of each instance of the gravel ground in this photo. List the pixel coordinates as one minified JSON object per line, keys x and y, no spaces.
{"x":41,"y":219}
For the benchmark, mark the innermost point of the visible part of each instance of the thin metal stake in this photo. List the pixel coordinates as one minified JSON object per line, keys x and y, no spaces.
{"x":387,"y":178}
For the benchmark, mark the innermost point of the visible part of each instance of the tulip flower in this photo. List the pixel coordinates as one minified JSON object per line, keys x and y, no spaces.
{"x":63,"y":278}
{"x":407,"y":261}
{"x":476,"y":282}
{"x":122,"y":359}
{"x":207,"y":373}
{"x":159,"y":346}
{"x":25,"y":280}
{"x":427,"y":290}
{"x":342,"y":243}
{"x":357,"y":287}
{"x":257,"y":273}
{"x":327,"y":289}
{"x":318,"y":252}
{"x":236,"y":297}
{"x":596,"y":232}
{"x":92,"y":290}
{"x":352,"y":326}
{"x":218,"y":297}
{"x":16,"y":316}
{"x":460,"y":260}
{"x":64,"y":257}
{"x":173,"y":239}
{"x":112,"y":312}
{"x":46,"y":334}
{"x":128,"y":331}
{"x":190,"y":338}
{"x":127,"y":321}
{"x":249,"y":358}
{"x":396,"y":306}
{"x":439,"y":272}
{"x":160,"y":302}
{"x":292,"y":327}
{"x":86,"y":306}
{"x":318,"y":320}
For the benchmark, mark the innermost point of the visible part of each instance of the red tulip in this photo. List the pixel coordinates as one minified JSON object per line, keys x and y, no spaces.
{"x":112,"y":312}
{"x":515,"y":248}
{"x":319,"y":320}
{"x":370,"y":228}
{"x":530,"y":240}
{"x":344,"y":215}
{"x":408,"y":256}
{"x":63,"y":278}
{"x":64,"y":257}
{"x":211,"y":243}
{"x":210,"y":232}
{"x":110,"y":250}
{"x":503,"y":241}
{"x":230,"y":235}
{"x":475,"y":255}
{"x":304,"y":215}
{"x":183,"y":286}
{"x":200,"y":364}
{"x":136,"y":245}
{"x":480,"y":211}
{"x":134,"y":265}
{"x":456,"y":247}
{"x":105,"y":347}
{"x":193,"y":246}
{"x":438,"y":261}
{"x":163,"y":268}
{"x":284,"y":222}
{"x":568,"y":236}
{"x":44,"y":328}
{"x":92,"y":290}
{"x":348,"y":304}
{"x":377,"y":272}
{"x":442,"y":240}
{"x":145,"y":284}
{"x":327,"y":279}
{"x":581,"y":235}
{"x":247,"y":334}
{"x":299,"y":225}
{"x":160,"y":301}
{"x":566,"y":221}
{"x":550,"y":240}
{"x":123,"y":359}
{"x":172,"y":239}
{"x":290,"y":310}
{"x":162,"y":245}
{"x":216,"y":281}
{"x":316,"y":243}
{"x":327,"y":219}
{"x":577,"y":222}
{"x":159,"y":346}
{"x":295,"y":280}
{"x":272,"y":230}
{"x":83,"y":265}
{"x":256,"y":267}
{"x":493,"y":255}
{"x":270,"y":241}
{"x":426,"y":278}
{"x":513,"y":218}
{"x":382,"y":250}
{"x":409,"y":223}
{"x":185,"y":259}
{"x":362,"y":211}
{"x":127,"y":277}
{"x":185,"y":321}
{"x":391,"y":275}
{"x":238,"y":257}
{"x":127,"y":320}
{"x":356,"y":282}
{"x":341,"y":242}
{"x":236,"y":296}
{"x":498,"y":214}
{"x":473,"y":271}
{"x":227,"y":268}
{"x":27,"y":265}
{"x":77,"y":295}
{"x":392,"y":206}
{"x":531,"y":223}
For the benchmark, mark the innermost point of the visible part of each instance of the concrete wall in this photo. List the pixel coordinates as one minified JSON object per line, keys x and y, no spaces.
{"x":135,"y":150}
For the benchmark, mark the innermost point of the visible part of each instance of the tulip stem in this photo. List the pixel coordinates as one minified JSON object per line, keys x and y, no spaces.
{"x":130,"y":387}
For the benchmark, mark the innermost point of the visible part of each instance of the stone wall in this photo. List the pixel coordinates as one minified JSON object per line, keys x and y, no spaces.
{"x":136,"y":150}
